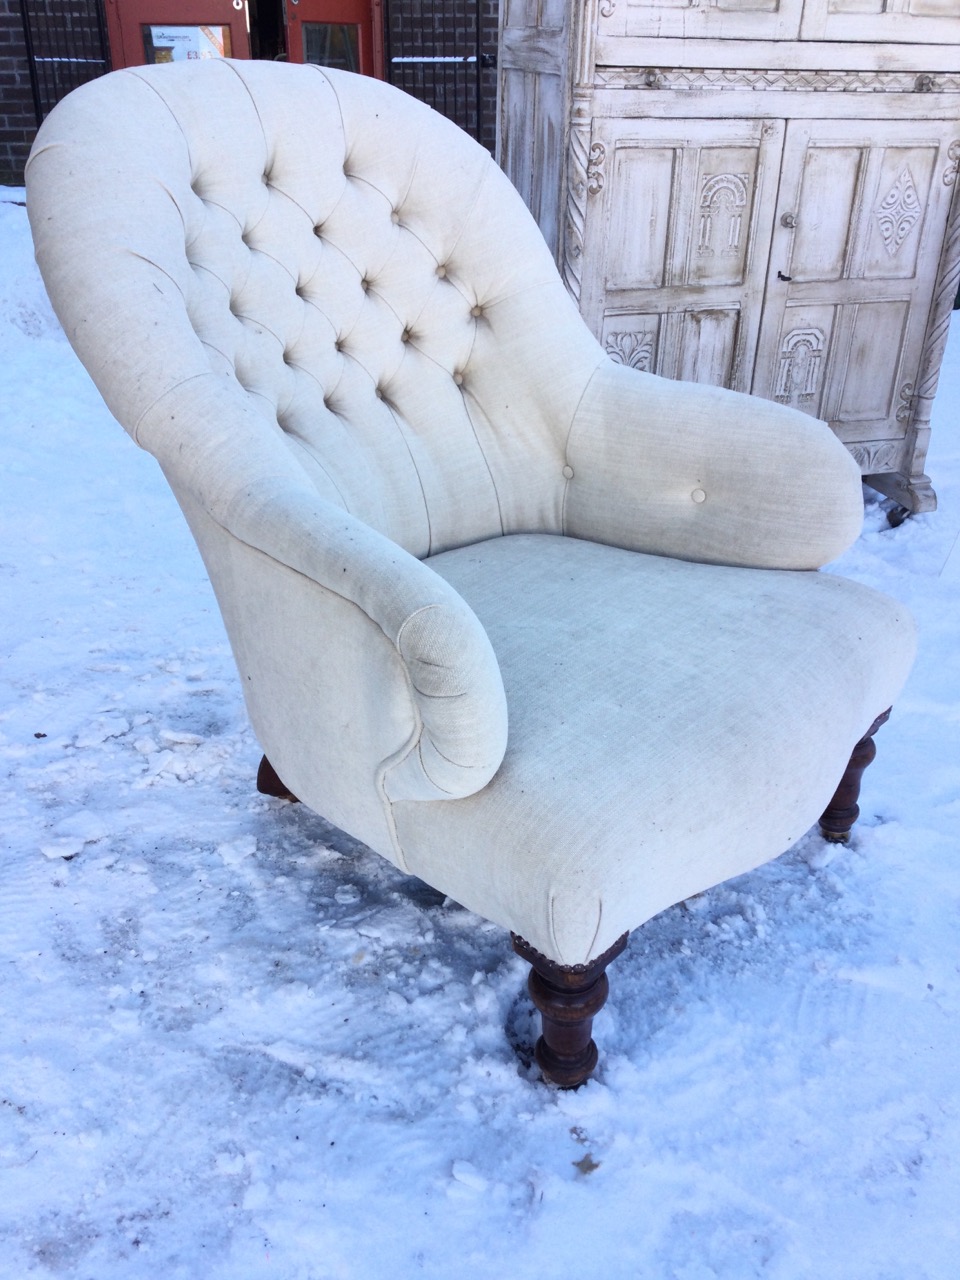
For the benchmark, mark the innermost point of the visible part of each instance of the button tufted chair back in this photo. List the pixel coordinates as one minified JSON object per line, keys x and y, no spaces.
{"x":355,"y":268}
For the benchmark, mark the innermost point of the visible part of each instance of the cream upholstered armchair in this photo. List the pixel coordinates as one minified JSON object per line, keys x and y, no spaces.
{"x":540,"y":629}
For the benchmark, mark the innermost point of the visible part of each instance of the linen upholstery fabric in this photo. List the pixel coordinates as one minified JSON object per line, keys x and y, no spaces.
{"x":328,"y":314}
{"x":722,"y":703}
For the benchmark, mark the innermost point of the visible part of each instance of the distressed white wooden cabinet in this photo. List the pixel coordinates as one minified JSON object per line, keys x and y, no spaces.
{"x":756,"y":193}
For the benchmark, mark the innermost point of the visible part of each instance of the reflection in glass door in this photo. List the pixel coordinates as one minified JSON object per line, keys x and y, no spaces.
{"x":346,"y":34}
{"x":332,"y":44}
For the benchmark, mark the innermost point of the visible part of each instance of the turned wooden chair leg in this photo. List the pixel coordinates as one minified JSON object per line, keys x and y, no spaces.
{"x":269,"y":783}
{"x":569,"y":997}
{"x":842,"y":811}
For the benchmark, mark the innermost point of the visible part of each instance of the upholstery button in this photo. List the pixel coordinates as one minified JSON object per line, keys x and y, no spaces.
{"x":568,"y":473}
{"x":441,"y":272}
{"x":365,"y":284}
{"x":698,"y":495}
{"x":395,"y":217}
{"x":379,"y":394}
{"x":318,"y":231}
{"x":476,"y":311}
{"x":405,"y":336}
{"x":458,"y":379}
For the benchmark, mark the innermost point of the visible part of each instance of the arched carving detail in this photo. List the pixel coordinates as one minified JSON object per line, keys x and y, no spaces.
{"x":801,"y":360}
{"x":723,"y":196}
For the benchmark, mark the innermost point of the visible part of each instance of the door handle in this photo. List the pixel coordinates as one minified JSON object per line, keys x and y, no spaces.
{"x":788,"y":220}
{"x":781,"y":276}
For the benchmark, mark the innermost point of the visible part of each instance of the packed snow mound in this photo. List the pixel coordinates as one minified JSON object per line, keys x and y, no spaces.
{"x":24,"y":307}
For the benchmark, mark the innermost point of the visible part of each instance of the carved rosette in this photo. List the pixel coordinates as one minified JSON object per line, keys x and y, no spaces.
{"x":899,"y":211}
{"x":876,"y":456}
{"x":635,"y":350}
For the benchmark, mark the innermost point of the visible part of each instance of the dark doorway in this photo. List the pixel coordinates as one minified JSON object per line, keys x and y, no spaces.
{"x":268,"y":37}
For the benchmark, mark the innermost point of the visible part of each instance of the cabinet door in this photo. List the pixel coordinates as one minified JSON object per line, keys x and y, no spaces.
{"x":676,"y":243}
{"x":726,"y":19}
{"x":856,"y":246}
{"x":924,"y":21}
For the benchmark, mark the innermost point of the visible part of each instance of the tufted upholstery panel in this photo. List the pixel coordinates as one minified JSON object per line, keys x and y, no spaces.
{"x":374,"y":315}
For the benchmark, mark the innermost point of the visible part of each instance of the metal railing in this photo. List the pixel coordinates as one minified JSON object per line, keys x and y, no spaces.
{"x":66,"y":43}
{"x":444,"y":52}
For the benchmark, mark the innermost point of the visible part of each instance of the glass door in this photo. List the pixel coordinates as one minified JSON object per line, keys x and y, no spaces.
{"x":346,"y":34}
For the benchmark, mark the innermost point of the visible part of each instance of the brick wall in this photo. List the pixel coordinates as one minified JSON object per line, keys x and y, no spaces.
{"x":67,"y":46}
{"x":18,"y":120}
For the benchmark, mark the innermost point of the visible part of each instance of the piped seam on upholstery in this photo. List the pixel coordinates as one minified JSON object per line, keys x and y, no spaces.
{"x":604,"y":358}
{"x":413,"y":462}
{"x":205,"y":342}
{"x":385,"y":767}
{"x":168,"y":391}
{"x":553,"y":930}
{"x":295,"y":441}
{"x":142,"y":257}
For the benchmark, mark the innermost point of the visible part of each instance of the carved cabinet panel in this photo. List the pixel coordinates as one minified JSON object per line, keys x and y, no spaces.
{"x":679,"y":239}
{"x":864,"y":212}
{"x":750,"y":19}
{"x":932,"y":21}
{"x":759,"y":194}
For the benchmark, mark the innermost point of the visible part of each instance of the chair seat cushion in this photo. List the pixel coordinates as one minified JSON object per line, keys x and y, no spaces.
{"x":671,"y":725}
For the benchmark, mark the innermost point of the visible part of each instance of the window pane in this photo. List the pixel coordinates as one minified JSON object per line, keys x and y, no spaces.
{"x":180,"y":44}
{"x":332,"y":44}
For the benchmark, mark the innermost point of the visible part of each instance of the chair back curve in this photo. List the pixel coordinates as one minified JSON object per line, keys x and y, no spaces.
{"x":339,"y":256}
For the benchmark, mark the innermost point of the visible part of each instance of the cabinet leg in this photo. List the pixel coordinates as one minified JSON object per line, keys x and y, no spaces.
{"x":569,"y":997}
{"x":842,"y":811}
{"x":913,"y":492}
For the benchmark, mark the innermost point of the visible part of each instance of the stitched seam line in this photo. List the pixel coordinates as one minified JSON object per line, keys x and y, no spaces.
{"x":604,"y":359}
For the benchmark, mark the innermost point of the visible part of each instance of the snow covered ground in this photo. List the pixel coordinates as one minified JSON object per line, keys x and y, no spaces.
{"x":236,"y":1045}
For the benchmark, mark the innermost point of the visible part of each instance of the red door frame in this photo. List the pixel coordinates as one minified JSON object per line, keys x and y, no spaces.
{"x":365,"y":14}
{"x":127,"y":18}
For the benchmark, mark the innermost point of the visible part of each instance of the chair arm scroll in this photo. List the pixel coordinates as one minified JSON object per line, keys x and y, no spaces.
{"x":248,"y":482}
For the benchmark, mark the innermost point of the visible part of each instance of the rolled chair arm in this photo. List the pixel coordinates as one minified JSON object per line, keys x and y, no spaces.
{"x":247,"y":481}
{"x":699,"y":473}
